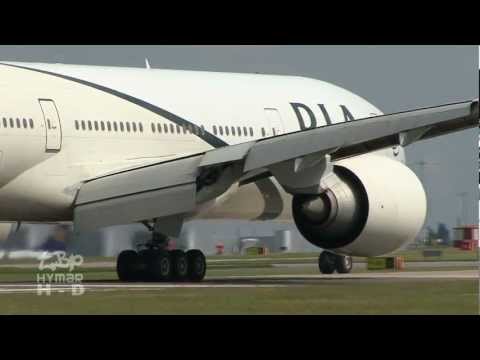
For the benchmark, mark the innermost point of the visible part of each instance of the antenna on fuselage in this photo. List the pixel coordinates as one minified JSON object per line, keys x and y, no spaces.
{"x":147,"y":64}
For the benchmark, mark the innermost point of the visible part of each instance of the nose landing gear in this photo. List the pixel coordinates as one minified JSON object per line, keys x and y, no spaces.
{"x":329,"y":262}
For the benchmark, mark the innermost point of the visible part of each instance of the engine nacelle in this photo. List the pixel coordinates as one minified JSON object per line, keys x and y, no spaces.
{"x":5,"y":231}
{"x":375,"y":206}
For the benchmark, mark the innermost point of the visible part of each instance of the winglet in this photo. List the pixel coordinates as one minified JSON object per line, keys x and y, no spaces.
{"x":147,"y":64}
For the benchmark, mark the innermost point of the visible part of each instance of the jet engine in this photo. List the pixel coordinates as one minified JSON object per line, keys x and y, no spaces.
{"x":373,"y":206}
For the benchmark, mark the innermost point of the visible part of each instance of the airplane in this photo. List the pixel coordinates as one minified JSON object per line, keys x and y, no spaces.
{"x":101,"y":146}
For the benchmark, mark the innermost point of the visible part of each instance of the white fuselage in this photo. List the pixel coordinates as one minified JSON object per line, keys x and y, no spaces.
{"x":77,"y":122}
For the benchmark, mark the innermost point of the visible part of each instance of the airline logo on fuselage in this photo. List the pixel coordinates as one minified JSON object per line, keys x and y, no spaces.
{"x":311,"y":122}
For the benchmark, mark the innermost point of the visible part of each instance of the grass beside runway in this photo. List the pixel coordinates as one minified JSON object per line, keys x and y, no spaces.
{"x":320,"y":296}
{"x":323,"y":297}
{"x":14,"y":274}
{"x":255,"y":261}
{"x":448,"y":254}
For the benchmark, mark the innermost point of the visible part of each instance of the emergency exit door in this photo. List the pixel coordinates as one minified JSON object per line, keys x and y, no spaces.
{"x":52,"y":125}
{"x":274,"y":121}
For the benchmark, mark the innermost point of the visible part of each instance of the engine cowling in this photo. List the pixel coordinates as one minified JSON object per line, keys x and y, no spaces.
{"x":5,"y":231}
{"x":374,"y":206}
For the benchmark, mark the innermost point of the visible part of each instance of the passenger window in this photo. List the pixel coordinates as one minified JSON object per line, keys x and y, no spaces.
{"x":190,"y":128}
{"x":77,"y":126}
{"x":172,"y":129}
{"x":30,"y":121}
{"x":121,"y":126}
{"x":83,"y":124}
{"x":245,"y":131}
{"x":109,"y":126}
{"x":233,"y":130}
{"x":184,"y":128}
{"x":140,"y":127}
{"x":134,"y":126}
{"x":12,"y":125}
{"x":153,"y":127}
{"x":221,"y":130}
{"x":102,"y":125}
{"x":115,"y":126}
{"x":89,"y":125}
{"x":178,"y":129}
{"x":215,"y":129}
{"x":159,"y":127}
{"x":263,"y":132}
{"x":4,"y":122}
{"x":127,"y":124}
{"x":25,"y":125}
{"x":18,"y":123}
{"x":239,"y":131}
{"x":165,"y":128}
{"x":251,"y":131}
{"x":96,"y":125}
{"x":227,"y":132}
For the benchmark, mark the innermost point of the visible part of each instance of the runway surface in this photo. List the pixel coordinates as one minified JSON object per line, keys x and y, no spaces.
{"x":247,"y":281}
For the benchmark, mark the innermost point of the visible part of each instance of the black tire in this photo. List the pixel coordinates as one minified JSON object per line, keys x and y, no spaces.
{"x":127,"y":265}
{"x":145,"y":258}
{"x":343,"y":264}
{"x":326,"y":262}
{"x":179,"y":265}
{"x":197,"y":265}
{"x":159,"y":265}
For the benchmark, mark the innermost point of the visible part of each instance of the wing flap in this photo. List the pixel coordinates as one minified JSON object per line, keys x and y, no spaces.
{"x":136,"y":195}
{"x":134,"y":207}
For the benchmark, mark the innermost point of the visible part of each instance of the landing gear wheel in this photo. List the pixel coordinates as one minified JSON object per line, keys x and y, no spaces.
{"x":197,"y":265}
{"x":159,"y":265}
{"x":326,"y":262}
{"x":145,"y":258}
{"x":179,"y":265}
{"x":128,"y":266}
{"x":343,"y":264}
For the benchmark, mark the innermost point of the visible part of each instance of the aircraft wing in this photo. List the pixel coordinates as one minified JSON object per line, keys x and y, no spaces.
{"x":178,"y":186}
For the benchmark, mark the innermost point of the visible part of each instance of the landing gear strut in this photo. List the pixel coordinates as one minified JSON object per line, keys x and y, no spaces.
{"x":329,"y":262}
{"x":156,"y":263}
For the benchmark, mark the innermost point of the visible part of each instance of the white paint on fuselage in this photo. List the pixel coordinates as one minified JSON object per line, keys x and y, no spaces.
{"x":36,"y":185}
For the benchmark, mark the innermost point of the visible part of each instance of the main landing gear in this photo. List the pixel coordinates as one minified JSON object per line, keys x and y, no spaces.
{"x":155,"y":263}
{"x":329,"y":262}
{"x":161,"y":265}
